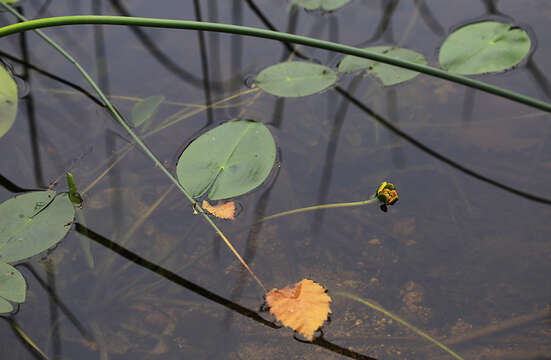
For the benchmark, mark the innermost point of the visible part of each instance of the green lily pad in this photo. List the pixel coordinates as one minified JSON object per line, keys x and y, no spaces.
{"x":5,"y":306}
{"x":388,"y":74}
{"x":295,"y":79}
{"x":8,"y":101}
{"x":143,"y":111}
{"x":230,"y":160}
{"x":33,"y":222}
{"x":484,"y":47}
{"x":12,"y":287}
{"x":325,"y":5}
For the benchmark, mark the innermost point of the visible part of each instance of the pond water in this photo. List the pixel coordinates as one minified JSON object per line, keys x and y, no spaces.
{"x":459,"y":258}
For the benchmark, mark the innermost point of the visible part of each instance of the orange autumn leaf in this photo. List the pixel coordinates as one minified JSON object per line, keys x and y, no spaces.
{"x":222,"y":211}
{"x":303,"y":307}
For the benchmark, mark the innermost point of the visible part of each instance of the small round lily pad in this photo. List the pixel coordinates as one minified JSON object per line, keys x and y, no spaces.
{"x":388,"y":74}
{"x":295,"y":79}
{"x":484,"y":47}
{"x":325,"y":5}
{"x":33,"y":222}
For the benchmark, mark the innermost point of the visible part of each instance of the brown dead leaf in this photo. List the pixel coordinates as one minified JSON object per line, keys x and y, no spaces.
{"x":222,"y":211}
{"x":303,"y":307}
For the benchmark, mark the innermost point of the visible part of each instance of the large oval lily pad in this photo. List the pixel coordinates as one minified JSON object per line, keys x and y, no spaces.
{"x":295,"y":79}
{"x":33,"y":222}
{"x":230,"y":160}
{"x":12,"y":287}
{"x":8,"y":101}
{"x":388,"y":74}
{"x":325,"y":5}
{"x":484,"y":47}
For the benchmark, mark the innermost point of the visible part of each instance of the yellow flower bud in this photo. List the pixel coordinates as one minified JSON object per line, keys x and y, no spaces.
{"x":387,"y":194}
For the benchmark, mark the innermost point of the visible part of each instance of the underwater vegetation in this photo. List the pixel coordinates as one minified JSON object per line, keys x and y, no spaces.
{"x":225,"y":162}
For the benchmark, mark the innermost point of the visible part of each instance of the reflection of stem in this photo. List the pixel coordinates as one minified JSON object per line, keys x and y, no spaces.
{"x":64,"y":308}
{"x":439,"y":156}
{"x":174,"y":278}
{"x":401,"y":321}
{"x":135,"y":137}
{"x":318,"y":207}
{"x":84,"y":242}
{"x":267,"y":34}
{"x":175,"y":119}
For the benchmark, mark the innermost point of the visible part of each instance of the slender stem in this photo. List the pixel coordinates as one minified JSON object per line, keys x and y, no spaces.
{"x":318,"y":207}
{"x":274,"y":35}
{"x":135,"y":137}
{"x":26,"y":338}
{"x":401,"y":321}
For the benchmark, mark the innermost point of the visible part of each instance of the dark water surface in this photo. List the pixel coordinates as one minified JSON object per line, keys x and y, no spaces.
{"x":463,"y":260}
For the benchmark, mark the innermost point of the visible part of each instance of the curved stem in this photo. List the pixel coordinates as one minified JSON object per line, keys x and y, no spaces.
{"x":317,"y":207}
{"x":135,"y":137}
{"x":274,"y":35}
{"x":401,"y":321}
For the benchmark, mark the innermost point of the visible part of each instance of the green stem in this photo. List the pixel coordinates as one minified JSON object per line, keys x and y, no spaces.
{"x":117,"y":116}
{"x":274,"y":35}
{"x":401,"y":321}
{"x":317,"y":207}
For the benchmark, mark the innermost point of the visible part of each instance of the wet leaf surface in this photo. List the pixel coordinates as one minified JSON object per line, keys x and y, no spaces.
{"x":33,"y":222}
{"x":8,"y":101}
{"x":388,"y":74}
{"x":12,"y":287}
{"x":230,"y":160}
{"x":295,"y":79}
{"x":484,"y":47}
{"x":222,"y":211}
{"x":326,"y":5}
{"x":303,"y":307}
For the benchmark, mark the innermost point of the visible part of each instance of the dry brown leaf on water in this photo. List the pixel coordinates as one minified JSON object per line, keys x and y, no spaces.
{"x":303,"y":307}
{"x":222,"y":211}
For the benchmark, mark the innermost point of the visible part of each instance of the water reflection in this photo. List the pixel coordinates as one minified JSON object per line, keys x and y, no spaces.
{"x":234,"y":307}
{"x":45,"y":73}
{"x":437,"y":155}
{"x":204,"y":62}
{"x":166,"y":61}
{"x":280,"y":108}
{"x":31,"y":114}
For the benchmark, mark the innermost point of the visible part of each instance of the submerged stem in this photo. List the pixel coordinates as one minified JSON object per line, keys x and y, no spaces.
{"x":274,"y":35}
{"x":401,"y":321}
{"x":121,"y":121}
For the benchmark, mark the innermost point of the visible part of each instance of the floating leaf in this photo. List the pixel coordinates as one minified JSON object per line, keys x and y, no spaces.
{"x":143,"y":111}
{"x":5,"y":306}
{"x":303,"y":307}
{"x":295,"y":79}
{"x":388,"y":74}
{"x":10,"y":1}
{"x":484,"y":47}
{"x":33,"y":222}
{"x":8,"y":101}
{"x":231,"y":159}
{"x":222,"y":211}
{"x":325,"y":5}
{"x":12,"y":287}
